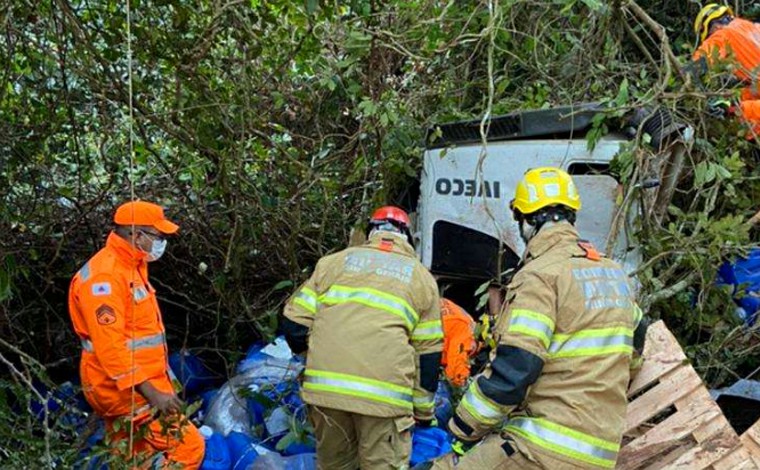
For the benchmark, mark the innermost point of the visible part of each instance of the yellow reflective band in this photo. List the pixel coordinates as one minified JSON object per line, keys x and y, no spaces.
{"x":480,"y":408}
{"x":307,"y":299}
{"x":565,"y":441}
{"x":637,"y":315}
{"x":372,"y":298}
{"x":533,"y":324}
{"x":352,"y":385}
{"x":596,"y":342}
{"x":428,"y":330}
{"x":424,"y":400}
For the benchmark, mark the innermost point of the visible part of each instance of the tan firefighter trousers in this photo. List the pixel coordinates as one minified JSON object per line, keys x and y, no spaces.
{"x":350,"y":441}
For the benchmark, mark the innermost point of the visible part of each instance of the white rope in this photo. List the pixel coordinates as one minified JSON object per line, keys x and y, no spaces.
{"x":132,"y":198}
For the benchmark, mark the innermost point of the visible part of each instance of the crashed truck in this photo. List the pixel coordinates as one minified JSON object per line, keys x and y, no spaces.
{"x":463,"y":227}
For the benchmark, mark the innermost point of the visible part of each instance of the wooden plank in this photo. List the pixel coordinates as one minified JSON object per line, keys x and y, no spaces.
{"x":751,"y":443}
{"x":664,"y":461}
{"x":720,"y":424}
{"x":652,"y":370}
{"x":704,"y":455}
{"x":739,"y":459}
{"x":752,"y":436}
{"x":677,"y":384}
{"x":662,"y":354}
{"x":748,"y":464}
{"x":674,"y":432}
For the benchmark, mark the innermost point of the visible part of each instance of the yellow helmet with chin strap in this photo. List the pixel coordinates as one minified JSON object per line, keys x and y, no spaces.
{"x":544,"y":187}
{"x":707,"y":15}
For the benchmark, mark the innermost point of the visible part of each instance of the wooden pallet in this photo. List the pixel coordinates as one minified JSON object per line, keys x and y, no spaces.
{"x":751,"y":442}
{"x":672,"y":423}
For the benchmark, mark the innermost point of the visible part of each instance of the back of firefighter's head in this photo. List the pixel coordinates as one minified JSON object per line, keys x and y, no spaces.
{"x":544,"y":195}
{"x":390,"y":219}
{"x":711,"y":17}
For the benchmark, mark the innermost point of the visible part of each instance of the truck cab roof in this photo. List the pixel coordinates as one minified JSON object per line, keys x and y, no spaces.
{"x":561,"y":121}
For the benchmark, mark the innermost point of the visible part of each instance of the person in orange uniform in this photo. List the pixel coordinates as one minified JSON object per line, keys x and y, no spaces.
{"x":724,"y":37}
{"x":458,"y":342}
{"x":124,"y":367}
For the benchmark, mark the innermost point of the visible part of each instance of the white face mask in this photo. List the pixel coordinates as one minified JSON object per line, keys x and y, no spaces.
{"x":156,"y":250}
{"x":527,"y":231}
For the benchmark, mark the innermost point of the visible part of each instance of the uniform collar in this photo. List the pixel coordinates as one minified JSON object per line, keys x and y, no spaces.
{"x":125,"y":251}
{"x":548,"y":237}
{"x":395,"y":241}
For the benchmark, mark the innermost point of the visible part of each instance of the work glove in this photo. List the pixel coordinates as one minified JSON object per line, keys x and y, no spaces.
{"x":462,"y":447}
{"x":424,"y":423}
{"x":719,"y":108}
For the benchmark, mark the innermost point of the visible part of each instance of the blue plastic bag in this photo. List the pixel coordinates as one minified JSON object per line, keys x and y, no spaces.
{"x":298,"y":448}
{"x":191,"y":372}
{"x":86,"y":460}
{"x":443,"y":408}
{"x":242,"y":453}
{"x":275,"y":461}
{"x":744,"y":276}
{"x":217,"y":454}
{"x":428,"y":444}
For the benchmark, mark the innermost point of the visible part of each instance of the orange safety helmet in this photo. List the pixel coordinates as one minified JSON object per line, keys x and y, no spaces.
{"x":393,"y":215}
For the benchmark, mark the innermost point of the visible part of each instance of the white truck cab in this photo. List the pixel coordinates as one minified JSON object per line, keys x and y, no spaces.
{"x":463,"y":213}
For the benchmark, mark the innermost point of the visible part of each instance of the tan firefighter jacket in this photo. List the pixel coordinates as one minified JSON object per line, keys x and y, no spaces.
{"x":373,"y":313}
{"x":557,"y":381}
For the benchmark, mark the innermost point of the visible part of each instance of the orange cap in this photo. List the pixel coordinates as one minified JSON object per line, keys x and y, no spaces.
{"x":144,"y":213}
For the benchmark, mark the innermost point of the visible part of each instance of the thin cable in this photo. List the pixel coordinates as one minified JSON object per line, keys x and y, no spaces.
{"x":132,"y":198}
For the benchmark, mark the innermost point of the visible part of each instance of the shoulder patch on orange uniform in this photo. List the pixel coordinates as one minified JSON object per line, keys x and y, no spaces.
{"x":101,"y":288}
{"x":105,"y":315}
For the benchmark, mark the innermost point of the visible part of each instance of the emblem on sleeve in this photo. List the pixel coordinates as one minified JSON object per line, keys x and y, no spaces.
{"x":105,"y":314}
{"x":101,"y":288}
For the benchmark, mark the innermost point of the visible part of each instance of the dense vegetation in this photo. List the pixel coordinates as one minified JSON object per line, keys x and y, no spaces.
{"x":270,"y":128}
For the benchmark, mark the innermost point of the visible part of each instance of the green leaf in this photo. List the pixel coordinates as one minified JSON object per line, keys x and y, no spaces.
{"x":289,"y":438}
{"x":282,"y":285}
{"x":594,"y":5}
{"x":622,"y":96}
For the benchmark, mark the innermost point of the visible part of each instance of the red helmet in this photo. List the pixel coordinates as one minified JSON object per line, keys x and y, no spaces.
{"x":392,"y":214}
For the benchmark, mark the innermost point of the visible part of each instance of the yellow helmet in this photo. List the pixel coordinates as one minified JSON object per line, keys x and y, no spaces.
{"x":707,"y":15}
{"x":543,"y":187}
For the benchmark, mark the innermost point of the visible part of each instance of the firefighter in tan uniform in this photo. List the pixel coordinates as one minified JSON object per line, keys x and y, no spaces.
{"x":553,"y":395}
{"x":370,"y":319}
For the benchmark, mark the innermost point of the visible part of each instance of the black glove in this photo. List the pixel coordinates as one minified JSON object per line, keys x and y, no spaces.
{"x":423,"y":423}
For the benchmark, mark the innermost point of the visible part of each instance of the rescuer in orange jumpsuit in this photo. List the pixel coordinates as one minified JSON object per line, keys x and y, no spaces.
{"x":124,"y":367}
{"x":458,"y":342}
{"x":736,"y":41}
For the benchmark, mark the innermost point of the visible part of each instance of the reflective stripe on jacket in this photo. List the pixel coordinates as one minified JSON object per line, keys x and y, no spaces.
{"x":373,"y":314}
{"x":563,"y":357}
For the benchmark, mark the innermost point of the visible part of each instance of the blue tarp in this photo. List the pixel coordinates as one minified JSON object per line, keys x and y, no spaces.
{"x":744,"y":278}
{"x":256,"y":420}
{"x":261,"y":410}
